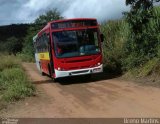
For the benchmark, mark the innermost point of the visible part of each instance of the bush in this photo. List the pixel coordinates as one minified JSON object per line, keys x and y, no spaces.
{"x":14,"y":83}
{"x":25,"y":57}
{"x":149,"y":68}
{"x":116,"y":34}
{"x":8,"y":62}
{"x":144,"y":40}
{"x":13,"y":45}
{"x":123,"y":52}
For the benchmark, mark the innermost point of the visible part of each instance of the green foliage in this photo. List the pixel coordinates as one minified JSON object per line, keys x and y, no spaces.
{"x":13,"y":30}
{"x":132,"y":50}
{"x":50,"y":15}
{"x":27,"y":53}
{"x":149,"y":68}
{"x":26,"y":57}
{"x":14,"y":83}
{"x":3,"y":47}
{"x":8,"y":62}
{"x":144,"y":25}
{"x":13,"y":45}
{"x":11,"y":37}
{"x":116,"y":34}
{"x":133,"y":60}
{"x":28,"y":44}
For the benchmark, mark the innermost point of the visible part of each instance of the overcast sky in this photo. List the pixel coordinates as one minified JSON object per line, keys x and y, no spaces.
{"x":24,"y":11}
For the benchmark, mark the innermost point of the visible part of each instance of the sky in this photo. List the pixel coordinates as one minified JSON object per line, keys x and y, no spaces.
{"x":26,"y":11}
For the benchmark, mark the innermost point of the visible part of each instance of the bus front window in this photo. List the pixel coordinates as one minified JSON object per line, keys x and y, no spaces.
{"x":76,"y":43}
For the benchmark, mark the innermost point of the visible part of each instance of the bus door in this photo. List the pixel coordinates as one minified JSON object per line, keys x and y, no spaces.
{"x":50,"y":55}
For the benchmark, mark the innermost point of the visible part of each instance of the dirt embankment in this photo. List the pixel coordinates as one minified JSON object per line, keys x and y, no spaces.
{"x":74,"y":97}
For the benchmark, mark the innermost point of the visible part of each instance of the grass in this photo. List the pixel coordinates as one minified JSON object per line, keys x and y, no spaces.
{"x":117,"y":38}
{"x":147,"y":74}
{"x":152,"y":67}
{"x":14,"y":84}
{"x":8,"y":62}
{"x":149,"y":68}
{"x":25,"y":57}
{"x":116,"y":34}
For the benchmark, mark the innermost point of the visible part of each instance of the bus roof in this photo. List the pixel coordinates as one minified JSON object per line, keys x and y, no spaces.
{"x":47,"y":27}
{"x":72,"y":19}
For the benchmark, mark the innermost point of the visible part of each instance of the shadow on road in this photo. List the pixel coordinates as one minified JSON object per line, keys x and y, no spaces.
{"x":86,"y":79}
{"x":78,"y":79}
{"x":43,"y":81}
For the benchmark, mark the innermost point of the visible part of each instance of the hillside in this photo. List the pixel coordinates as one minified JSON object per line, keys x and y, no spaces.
{"x":17,"y":30}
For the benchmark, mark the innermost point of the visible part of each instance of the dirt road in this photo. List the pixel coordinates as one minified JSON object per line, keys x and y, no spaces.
{"x":74,"y":97}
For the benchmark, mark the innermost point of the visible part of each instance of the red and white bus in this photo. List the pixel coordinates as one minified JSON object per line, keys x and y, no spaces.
{"x":69,"y":47}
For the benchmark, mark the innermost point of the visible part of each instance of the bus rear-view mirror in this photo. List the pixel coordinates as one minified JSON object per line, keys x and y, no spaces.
{"x":102,"y":37}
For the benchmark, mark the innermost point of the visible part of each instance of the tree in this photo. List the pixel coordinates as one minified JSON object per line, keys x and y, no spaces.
{"x":13,"y":45}
{"x":48,"y":16}
{"x":143,"y":40}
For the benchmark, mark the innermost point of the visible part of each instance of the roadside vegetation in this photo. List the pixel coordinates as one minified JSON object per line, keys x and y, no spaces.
{"x":116,"y":35}
{"x":17,"y":47}
{"x":14,"y":84}
{"x":132,"y":45}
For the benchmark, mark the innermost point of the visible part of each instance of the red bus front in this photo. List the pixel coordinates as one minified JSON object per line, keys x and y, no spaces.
{"x":76,"y":47}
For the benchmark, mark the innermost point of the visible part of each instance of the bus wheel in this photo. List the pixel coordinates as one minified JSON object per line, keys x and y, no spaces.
{"x":42,"y":73}
{"x":49,"y":70}
{"x":55,"y":79}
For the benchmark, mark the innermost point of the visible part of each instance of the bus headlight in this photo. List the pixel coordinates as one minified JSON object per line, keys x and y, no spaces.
{"x":98,"y":64}
{"x":59,"y":69}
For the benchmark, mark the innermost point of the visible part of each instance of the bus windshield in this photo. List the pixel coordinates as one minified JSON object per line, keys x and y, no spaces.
{"x":76,"y":43}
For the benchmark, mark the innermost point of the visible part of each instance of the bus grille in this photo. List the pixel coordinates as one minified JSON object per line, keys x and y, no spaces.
{"x":79,"y":72}
{"x":82,"y":60}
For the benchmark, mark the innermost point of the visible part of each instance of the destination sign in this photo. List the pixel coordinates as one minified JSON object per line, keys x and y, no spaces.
{"x":74,"y":24}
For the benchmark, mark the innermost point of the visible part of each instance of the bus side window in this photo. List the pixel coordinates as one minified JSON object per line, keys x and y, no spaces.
{"x":41,"y":44}
{"x":38,"y":45}
{"x":45,"y":42}
{"x":48,"y":41}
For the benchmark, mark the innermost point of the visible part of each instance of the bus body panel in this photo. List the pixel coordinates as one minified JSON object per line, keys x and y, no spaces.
{"x":78,"y":62}
{"x":86,"y":71}
{"x":37,"y":61}
{"x":44,"y":61}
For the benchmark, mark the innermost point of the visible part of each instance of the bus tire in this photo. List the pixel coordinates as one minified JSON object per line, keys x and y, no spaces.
{"x":49,"y":70}
{"x":42,"y":73}
{"x":55,"y":79}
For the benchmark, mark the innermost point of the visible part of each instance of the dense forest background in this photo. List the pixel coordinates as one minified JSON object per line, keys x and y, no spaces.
{"x":131,"y":46}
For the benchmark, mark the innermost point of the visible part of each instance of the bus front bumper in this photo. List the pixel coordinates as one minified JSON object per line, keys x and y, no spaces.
{"x":59,"y":74}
